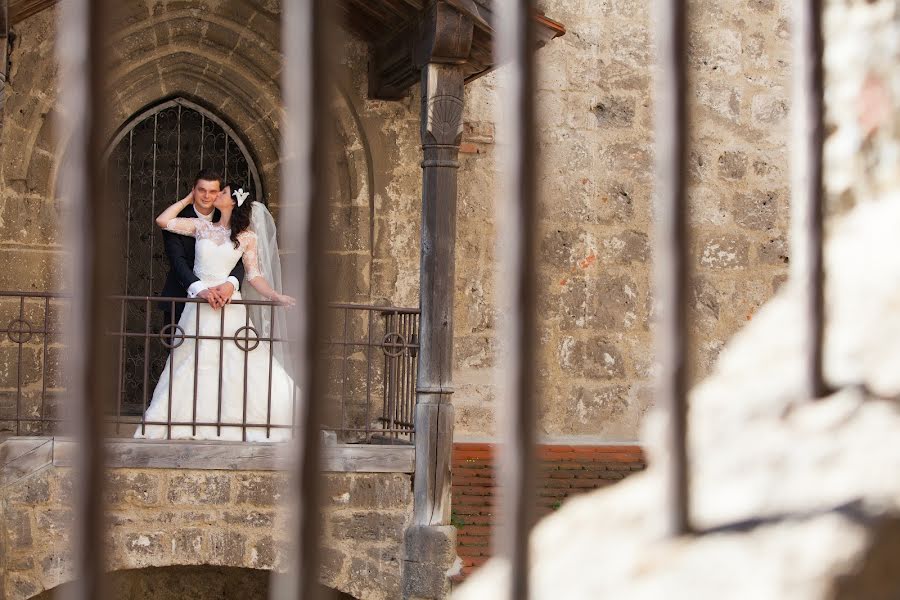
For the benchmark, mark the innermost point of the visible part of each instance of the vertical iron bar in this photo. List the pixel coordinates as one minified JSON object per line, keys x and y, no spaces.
{"x":45,"y":369}
{"x":368,"y":432}
{"x":196,"y":365}
{"x":308,"y":37}
{"x":517,"y":241}
{"x":202,"y":141}
{"x":146,"y":360}
{"x":246,"y":365}
{"x":807,"y":201}
{"x":385,"y":376}
{"x":178,"y":157}
{"x":271,"y":360}
{"x":225,"y":170}
{"x":171,"y":362}
{"x":221,"y":360}
{"x":128,"y":216}
{"x":153,"y":194}
{"x":80,"y":51}
{"x":345,"y":346}
{"x":21,"y":336}
{"x":671,"y":252}
{"x":120,"y":381}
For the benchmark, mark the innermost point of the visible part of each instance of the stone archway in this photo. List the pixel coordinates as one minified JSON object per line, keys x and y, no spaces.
{"x":202,"y":582}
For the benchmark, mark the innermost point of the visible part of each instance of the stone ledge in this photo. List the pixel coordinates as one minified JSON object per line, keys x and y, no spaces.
{"x":20,"y":456}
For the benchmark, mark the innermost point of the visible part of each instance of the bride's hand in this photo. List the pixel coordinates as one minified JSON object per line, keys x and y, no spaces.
{"x":284,"y":300}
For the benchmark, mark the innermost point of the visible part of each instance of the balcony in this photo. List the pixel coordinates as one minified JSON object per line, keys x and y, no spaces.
{"x":369,"y":356}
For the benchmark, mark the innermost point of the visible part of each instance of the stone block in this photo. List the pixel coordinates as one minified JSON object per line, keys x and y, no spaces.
{"x":368,"y":526}
{"x":55,"y":523}
{"x":33,"y":489}
{"x":139,"y":488}
{"x":430,"y":544}
{"x":775,"y":251}
{"x":423,"y":581}
{"x":591,"y":358}
{"x":144,"y":544}
{"x":251,"y":518}
{"x":199,"y":488}
{"x":264,"y":553}
{"x":732,"y":165}
{"x":615,"y":111}
{"x":226,"y":548}
{"x":18,"y":528}
{"x":260,"y":490}
{"x":768,"y":109}
{"x":726,"y":251}
{"x":187,"y":545}
{"x":381,"y":491}
{"x":367,"y":575}
{"x":757,"y":210}
{"x":331,"y":564}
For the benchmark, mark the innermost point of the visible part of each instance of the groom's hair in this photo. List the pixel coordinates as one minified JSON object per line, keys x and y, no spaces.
{"x":210,"y":175}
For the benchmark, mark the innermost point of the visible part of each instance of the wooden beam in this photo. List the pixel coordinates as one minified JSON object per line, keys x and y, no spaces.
{"x":241,"y":456}
{"x":19,"y":10}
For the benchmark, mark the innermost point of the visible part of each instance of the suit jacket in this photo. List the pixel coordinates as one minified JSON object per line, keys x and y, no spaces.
{"x":180,"y":251}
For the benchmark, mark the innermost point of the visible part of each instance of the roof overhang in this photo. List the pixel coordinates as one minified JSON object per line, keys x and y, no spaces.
{"x":403,"y":35}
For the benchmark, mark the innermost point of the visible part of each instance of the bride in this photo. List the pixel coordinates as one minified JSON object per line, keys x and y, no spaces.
{"x":249,"y":387}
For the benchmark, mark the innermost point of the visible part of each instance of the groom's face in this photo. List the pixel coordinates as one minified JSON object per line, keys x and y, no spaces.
{"x":205,"y":193}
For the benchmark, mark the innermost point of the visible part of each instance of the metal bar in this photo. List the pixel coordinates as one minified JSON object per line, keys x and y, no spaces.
{"x":309,"y":31}
{"x":121,"y":378}
{"x":808,"y":198}
{"x":171,"y":363}
{"x":221,"y":359}
{"x":146,"y":357}
{"x":344,"y":372}
{"x":178,"y":157}
{"x":80,"y":50}
{"x":517,"y":243}
{"x":45,"y":369}
{"x":153,"y":191}
{"x":369,"y":377}
{"x":202,"y":141}
{"x":19,"y":366}
{"x":271,"y":360}
{"x":671,"y":251}
{"x":128,"y":215}
{"x":196,"y":367}
{"x":246,"y":365}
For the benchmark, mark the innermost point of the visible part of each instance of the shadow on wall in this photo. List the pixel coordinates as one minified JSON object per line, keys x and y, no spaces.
{"x":193,"y":582}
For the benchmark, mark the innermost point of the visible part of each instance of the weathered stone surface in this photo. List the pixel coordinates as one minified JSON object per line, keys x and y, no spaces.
{"x":199,"y":488}
{"x":371,"y":526}
{"x":214,"y":528}
{"x":140,"y":488}
{"x":261,"y":490}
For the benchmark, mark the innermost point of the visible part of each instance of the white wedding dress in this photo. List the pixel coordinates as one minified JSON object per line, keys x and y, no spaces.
{"x":220,"y":398}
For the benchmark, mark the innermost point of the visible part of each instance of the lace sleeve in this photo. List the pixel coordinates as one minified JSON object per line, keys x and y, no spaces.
{"x":184,"y":226}
{"x":250,"y":256}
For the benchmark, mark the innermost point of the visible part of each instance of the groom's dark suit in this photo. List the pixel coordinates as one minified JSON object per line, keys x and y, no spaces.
{"x":180,"y":250}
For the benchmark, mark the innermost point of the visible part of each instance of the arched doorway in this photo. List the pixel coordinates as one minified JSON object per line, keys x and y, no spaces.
{"x":201,"y":582}
{"x":152,"y":161}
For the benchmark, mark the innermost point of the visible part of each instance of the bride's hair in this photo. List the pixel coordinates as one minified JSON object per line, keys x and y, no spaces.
{"x":240,"y":216}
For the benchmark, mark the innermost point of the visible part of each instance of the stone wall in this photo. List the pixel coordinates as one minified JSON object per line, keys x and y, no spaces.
{"x":595,"y":137}
{"x":166,"y":517}
{"x":595,"y":142}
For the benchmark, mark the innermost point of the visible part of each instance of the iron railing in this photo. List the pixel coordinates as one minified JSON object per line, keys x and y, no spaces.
{"x":369,"y":355}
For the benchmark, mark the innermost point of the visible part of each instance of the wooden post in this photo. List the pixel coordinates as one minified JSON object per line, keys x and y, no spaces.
{"x":442,"y":108}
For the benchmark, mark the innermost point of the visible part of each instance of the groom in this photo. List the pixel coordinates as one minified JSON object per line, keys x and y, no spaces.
{"x":181,"y":281}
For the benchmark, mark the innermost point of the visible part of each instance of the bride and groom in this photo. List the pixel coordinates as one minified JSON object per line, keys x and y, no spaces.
{"x":215,"y":239}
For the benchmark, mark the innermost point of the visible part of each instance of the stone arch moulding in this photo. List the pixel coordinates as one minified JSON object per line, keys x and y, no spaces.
{"x":208,"y":113}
